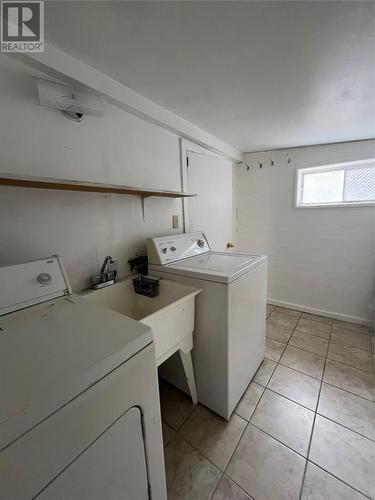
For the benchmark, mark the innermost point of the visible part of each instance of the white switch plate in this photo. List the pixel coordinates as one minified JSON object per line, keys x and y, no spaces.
{"x":175,"y":223}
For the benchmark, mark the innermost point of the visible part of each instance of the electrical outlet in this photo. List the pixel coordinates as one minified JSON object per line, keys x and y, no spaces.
{"x":175,"y":223}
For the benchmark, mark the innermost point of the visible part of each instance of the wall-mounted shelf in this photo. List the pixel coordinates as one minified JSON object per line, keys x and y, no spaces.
{"x":92,"y":187}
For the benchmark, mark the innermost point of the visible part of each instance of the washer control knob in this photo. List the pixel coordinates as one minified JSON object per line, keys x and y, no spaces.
{"x":44,"y":278}
{"x":200,"y":243}
{"x":173,"y":249}
{"x":164,"y":250}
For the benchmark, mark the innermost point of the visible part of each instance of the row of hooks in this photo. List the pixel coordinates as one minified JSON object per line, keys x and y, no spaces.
{"x":260,"y":164}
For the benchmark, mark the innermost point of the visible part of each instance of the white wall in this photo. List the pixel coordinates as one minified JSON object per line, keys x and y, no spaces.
{"x":82,"y":227}
{"x":320,"y":260}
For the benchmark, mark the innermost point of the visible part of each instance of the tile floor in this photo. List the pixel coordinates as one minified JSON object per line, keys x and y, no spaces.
{"x":304,"y":429}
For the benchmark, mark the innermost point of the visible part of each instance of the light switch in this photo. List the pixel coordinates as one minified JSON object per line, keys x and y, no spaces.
{"x":175,"y":224}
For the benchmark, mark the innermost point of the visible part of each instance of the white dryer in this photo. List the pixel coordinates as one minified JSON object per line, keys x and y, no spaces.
{"x":79,"y":412}
{"x":229,"y":338}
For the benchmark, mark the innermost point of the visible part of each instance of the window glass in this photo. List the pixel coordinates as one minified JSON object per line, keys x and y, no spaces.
{"x":323,"y":187}
{"x":360,"y":184}
{"x":341,"y":184}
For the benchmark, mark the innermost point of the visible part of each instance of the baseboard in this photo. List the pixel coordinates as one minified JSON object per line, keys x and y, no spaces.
{"x":321,"y":312}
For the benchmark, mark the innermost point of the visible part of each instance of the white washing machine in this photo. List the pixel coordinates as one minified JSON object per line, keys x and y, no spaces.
{"x":79,"y":412}
{"x":230,"y":323}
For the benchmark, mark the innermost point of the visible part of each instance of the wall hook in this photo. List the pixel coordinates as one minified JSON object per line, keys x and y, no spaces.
{"x":289,"y":159}
{"x":272,"y":162}
{"x":244,"y":163}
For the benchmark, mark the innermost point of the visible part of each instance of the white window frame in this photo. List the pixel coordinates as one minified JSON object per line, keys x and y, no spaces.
{"x":298,"y":191}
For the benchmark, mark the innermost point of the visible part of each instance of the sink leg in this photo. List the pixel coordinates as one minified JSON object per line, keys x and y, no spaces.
{"x":189,"y":374}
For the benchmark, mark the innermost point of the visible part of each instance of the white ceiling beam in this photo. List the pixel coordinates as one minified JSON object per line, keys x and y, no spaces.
{"x":60,"y":65}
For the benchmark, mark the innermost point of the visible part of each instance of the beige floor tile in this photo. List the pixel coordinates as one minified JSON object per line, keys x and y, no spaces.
{"x":189,"y":475}
{"x":269,"y":309}
{"x":249,"y":400}
{"x":319,"y":485}
{"x":266,"y":469}
{"x":228,"y":490}
{"x":347,"y":409}
{"x":274,"y":349}
{"x":350,"y":379}
{"x":168,"y":433}
{"x":345,"y":454}
{"x":292,"y":312}
{"x":213,"y":436}
{"x":350,"y":355}
{"x":277,"y":332}
{"x":352,"y":339}
{"x":351,"y":327}
{"x":282,"y":318}
{"x":308,"y":342}
{"x":303,"y":361}
{"x":264,"y":372}
{"x":306,"y":325}
{"x":284,"y":420}
{"x":309,"y":331}
{"x":317,"y":319}
{"x":175,"y":405}
{"x":297,"y":386}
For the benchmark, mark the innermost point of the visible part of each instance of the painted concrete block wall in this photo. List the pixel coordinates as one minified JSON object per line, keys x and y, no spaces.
{"x":320,"y":260}
{"x":82,"y":227}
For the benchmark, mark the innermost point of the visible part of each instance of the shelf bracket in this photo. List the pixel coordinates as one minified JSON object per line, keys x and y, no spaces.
{"x":143,"y":208}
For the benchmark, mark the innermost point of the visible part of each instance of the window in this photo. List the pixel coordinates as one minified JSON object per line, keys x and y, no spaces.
{"x":342,"y":184}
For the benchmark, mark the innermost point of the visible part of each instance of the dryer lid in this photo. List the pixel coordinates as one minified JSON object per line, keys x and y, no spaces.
{"x":221,"y":267}
{"x":218,"y":262}
{"x":51,"y":352}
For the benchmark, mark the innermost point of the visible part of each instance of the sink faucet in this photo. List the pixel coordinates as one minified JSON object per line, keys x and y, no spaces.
{"x":107,"y":261}
{"x":106,"y":276}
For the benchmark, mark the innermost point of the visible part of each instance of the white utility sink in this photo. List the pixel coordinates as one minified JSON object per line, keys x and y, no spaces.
{"x":170,"y":316}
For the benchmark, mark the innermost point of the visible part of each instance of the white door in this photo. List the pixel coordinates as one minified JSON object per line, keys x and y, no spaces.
{"x":211,"y":177}
{"x":112,"y":468}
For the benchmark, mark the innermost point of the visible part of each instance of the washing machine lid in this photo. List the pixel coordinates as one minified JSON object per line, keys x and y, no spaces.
{"x":221,"y":267}
{"x":51,"y":352}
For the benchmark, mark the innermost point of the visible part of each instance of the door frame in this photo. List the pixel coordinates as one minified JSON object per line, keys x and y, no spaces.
{"x":185,"y":148}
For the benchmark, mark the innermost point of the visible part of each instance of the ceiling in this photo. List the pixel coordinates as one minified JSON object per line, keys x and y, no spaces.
{"x":257,"y":74}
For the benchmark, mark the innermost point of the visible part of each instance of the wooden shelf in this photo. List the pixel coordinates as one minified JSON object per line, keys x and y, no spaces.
{"x":92,"y":187}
